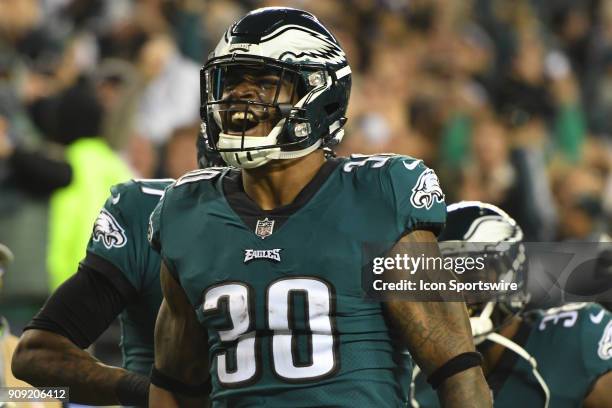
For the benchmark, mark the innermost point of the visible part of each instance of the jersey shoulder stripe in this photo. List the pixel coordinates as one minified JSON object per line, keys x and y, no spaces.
{"x":210,"y":173}
{"x":141,"y":187}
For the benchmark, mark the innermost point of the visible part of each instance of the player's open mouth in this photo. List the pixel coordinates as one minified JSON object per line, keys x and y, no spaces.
{"x":239,"y":121}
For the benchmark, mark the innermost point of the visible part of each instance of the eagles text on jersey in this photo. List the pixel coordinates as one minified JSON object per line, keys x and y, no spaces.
{"x":283,"y":303}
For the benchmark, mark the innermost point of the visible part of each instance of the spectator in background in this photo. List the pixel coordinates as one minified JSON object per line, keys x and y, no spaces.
{"x":578,"y":191}
{"x":171,"y":96}
{"x":181,"y":151}
{"x":95,"y":168}
{"x":28,"y":62}
{"x":571,"y":22}
{"x":489,"y":176}
{"x":118,"y":90}
{"x":601,"y":102}
{"x":142,"y":156}
{"x":38,"y":172}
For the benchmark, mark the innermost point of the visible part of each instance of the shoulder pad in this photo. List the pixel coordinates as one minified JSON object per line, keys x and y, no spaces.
{"x":584,"y":330}
{"x":418,"y":197}
{"x":405,"y":186}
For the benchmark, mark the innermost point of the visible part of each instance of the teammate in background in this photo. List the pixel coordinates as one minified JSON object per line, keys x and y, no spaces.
{"x":557,"y":358}
{"x":261,"y":270}
{"x":118,"y":277}
{"x":8,"y":342}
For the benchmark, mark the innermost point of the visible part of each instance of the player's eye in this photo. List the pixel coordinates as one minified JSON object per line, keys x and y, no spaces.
{"x":268,"y":82}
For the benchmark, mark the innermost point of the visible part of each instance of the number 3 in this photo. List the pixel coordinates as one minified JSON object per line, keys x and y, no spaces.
{"x":323,"y":358}
{"x":379,"y":160}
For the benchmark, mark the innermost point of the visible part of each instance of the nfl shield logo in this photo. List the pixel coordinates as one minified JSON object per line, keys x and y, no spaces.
{"x":264,"y":228}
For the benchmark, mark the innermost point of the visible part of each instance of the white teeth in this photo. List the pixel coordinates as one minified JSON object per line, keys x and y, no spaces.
{"x":236,"y":116}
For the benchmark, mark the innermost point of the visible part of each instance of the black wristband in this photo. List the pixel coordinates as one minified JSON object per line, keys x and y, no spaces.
{"x":133,"y":389}
{"x":453,"y":366}
{"x":161,"y":380}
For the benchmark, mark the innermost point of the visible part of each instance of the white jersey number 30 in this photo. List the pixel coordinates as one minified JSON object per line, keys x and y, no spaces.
{"x":322,"y":344}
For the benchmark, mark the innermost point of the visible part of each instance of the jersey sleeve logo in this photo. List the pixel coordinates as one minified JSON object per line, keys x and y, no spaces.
{"x":426,"y":191}
{"x":605,"y":344}
{"x":596,"y":319}
{"x":108,"y":231}
{"x":412,"y":165}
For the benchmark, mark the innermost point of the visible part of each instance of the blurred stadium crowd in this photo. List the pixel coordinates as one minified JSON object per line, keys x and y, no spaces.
{"x":510,"y":102}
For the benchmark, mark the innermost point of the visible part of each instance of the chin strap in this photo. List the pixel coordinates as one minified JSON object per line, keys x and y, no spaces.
{"x":509,"y":344}
{"x":482,"y":324}
{"x":299,"y":153}
{"x":482,"y":329}
{"x":413,"y":401}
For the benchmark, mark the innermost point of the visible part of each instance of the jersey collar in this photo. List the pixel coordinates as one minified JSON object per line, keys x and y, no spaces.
{"x":250,"y":212}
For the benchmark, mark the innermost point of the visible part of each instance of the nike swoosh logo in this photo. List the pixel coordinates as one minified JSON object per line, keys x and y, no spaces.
{"x":412,"y":165}
{"x":115,"y":199}
{"x":598,"y":317}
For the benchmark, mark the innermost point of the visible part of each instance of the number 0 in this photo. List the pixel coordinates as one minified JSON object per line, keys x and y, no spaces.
{"x":318,"y":322}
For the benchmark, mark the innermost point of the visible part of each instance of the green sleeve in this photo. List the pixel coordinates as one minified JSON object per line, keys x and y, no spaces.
{"x":116,"y":236}
{"x":418,"y":199}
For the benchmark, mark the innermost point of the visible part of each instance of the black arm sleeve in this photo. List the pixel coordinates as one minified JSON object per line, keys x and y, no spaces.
{"x":39,"y":174}
{"x":87,"y":303}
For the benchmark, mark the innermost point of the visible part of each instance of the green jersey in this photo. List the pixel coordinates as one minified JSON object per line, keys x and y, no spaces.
{"x":279,"y":292}
{"x":119,"y":236}
{"x":572,"y":346}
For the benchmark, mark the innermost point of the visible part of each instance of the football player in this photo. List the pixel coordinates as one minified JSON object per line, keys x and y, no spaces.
{"x":560,"y":357}
{"x":262,"y":262}
{"x":119,"y":276}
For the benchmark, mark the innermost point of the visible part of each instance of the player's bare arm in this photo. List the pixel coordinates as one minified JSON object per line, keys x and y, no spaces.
{"x":46,"y":359}
{"x":180,"y":350}
{"x":436,"y":332}
{"x":600,"y":396}
{"x":52,"y":352}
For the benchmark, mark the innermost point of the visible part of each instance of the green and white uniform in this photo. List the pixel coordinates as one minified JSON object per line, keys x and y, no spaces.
{"x":119,"y":236}
{"x":279,"y":291}
{"x":572,"y":346}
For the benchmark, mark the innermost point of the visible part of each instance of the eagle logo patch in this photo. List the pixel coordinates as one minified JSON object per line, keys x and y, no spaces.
{"x":605,"y":344}
{"x":426,"y":190}
{"x":108,"y":231}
